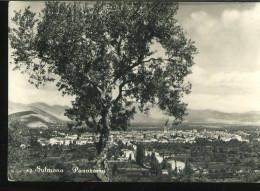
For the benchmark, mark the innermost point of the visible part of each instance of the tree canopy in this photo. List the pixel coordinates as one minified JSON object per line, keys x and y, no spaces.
{"x":102,"y":54}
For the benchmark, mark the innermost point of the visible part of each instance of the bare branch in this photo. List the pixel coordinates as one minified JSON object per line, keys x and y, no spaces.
{"x":121,"y":90}
{"x":138,"y":63}
{"x":93,"y":83}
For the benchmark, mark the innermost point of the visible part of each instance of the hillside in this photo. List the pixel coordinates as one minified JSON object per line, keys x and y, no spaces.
{"x":55,"y":110}
{"x":55,"y":115}
{"x":34,"y":117}
{"x":211,"y":116}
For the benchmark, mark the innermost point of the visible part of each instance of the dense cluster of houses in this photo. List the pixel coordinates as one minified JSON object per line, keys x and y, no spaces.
{"x":173,"y":136}
{"x":178,"y":136}
{"x":69,"y":139}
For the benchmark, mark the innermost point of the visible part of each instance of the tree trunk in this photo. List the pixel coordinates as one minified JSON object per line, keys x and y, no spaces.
{"x":103,"y":146}
{"x":102,"y":163}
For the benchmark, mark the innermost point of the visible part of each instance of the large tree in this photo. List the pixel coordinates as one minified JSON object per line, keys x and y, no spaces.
{"x":103,"y":54}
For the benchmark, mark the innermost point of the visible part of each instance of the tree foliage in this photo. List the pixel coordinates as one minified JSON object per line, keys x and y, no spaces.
{"x":102,"y":54}
{"x":18,"y":136}
{"x":18,"y":142}
{"x":114,"y":170}
{"x":140,"y":154}
{"x":156,"y":167}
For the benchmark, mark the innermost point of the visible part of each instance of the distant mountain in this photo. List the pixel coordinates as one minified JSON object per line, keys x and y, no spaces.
{"x":203,"y":116}
{"x":55,"y":110}
{"x":55,"y":115}
{"x":253,"y":112}
{"x":37,"y":118}
{"x":36,"y":115}
{"x":211,"y":116}
{"x":16,"y":107}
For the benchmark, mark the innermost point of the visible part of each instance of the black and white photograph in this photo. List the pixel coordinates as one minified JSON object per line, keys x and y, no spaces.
{"x":125,"y":91}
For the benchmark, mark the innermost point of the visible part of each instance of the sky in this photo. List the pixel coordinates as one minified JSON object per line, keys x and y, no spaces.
{"x":226,"y":74}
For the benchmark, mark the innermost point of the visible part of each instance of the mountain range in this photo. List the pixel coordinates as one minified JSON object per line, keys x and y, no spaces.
{"x":38,"y":115}
{"x":43,"y":115}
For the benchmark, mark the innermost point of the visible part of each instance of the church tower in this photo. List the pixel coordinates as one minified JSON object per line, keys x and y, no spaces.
{"x":165,"y":128}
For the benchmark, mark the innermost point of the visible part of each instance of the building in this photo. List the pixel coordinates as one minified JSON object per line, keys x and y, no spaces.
{"x":56,"y":141}
{"x":81,"y":141}
{"x":60,"y":141}
{"x":165,"y":172}
{"x":42,"y":141}
{"x":67,"y":141}
{"x":148,"y":153}
{"x":23,"y":146}
{"x":158,"y":157}
{"x":174,"y":164}
{"x":127,"y":153}
{"x":73,"y":137}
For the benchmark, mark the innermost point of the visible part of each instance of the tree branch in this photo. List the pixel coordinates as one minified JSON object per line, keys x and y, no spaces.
{"x":121,"y":90}
{"x":151,"y":59}
{"x":118,"y":46}
{"x":137,"y":64}
{"x":93,"y":83}
{"x":132,"y":16}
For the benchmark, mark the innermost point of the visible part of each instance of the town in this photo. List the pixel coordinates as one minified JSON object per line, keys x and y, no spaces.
{"x":148,"y":136}
{"x":171,"y":154}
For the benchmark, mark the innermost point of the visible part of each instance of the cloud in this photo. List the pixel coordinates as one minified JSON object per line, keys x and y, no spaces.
{"x":243,"y":80}
{"x":229,"y":17}
{"x":226,"y":75}
{"x":236,"y":79}
{"x":198,"y":75}
{"x":203,"y":21}
{"x":228,"y":39}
